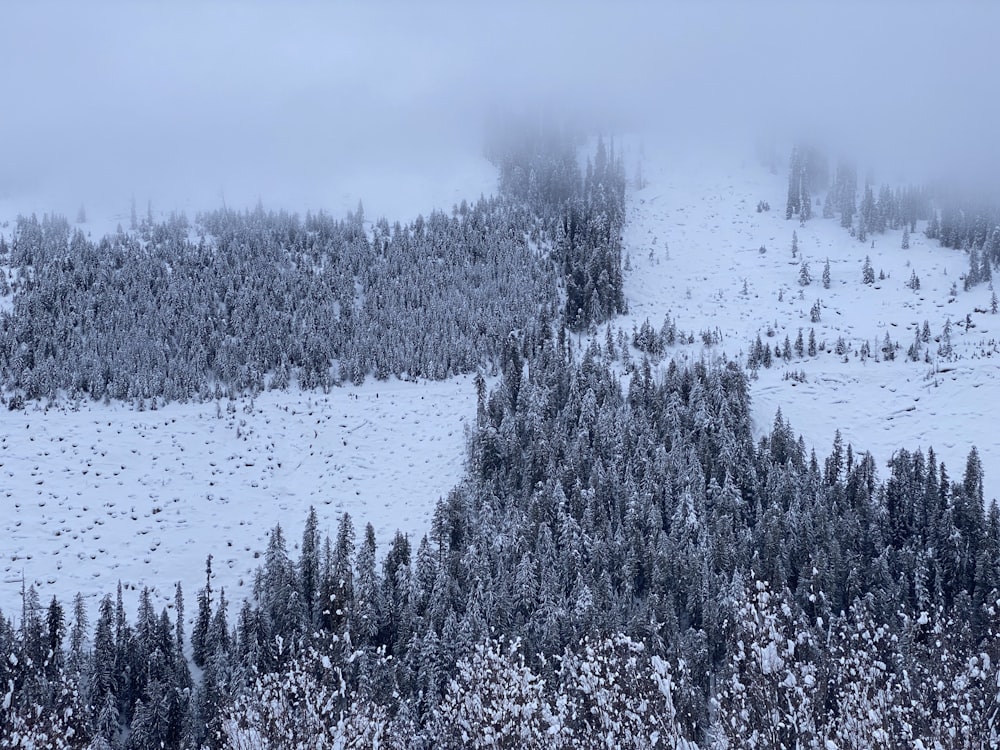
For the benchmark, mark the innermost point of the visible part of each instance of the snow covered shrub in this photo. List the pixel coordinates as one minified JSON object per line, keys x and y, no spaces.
{"x":56,"y":721}
{"x":495,"y":701}
{"x":769,"y":698}
{"x":304,"y":707}
{"x":613,"y":694}
{"x":609,"y":693}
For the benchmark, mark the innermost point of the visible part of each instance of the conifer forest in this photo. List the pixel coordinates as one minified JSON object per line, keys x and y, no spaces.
{"x":670,"y":525}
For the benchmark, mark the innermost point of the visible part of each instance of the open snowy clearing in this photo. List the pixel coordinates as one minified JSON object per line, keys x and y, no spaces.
{"x":108,"y":493}
{"x":694,"y":237}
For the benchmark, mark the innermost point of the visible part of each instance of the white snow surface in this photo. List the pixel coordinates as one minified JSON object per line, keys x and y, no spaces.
{"x":704,"y":210}
{"x":108,"y":493}
{"x":98,"y":493}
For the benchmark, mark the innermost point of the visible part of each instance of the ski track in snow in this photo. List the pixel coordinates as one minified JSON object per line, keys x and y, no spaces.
{"x":706,"y":212}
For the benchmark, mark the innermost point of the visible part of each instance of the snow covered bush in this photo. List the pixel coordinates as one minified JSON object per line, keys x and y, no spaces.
{"x":609,"y":693}
{"x":769,"y":698}
{"x":304,"y":707}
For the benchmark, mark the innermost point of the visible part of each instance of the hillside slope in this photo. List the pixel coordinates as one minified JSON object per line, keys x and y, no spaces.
{"x":694,"y":237}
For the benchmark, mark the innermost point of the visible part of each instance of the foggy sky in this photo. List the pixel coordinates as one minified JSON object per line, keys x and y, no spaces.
{"x":294,"y":102}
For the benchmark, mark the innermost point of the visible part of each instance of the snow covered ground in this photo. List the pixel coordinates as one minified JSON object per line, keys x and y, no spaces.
{"x":107,"y":493}
{"x":694,"y":237}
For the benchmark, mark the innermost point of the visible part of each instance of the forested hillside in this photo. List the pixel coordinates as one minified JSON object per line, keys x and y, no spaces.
{"x":623,"y":565}
{"x":245,"y":301}
{"x":620,"y":566}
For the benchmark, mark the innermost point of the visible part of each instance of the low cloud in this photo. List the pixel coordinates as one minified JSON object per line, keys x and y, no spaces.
{"x":299,"y":102}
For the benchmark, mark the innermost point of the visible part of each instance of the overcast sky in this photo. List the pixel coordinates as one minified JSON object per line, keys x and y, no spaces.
{"x":297,"y":101}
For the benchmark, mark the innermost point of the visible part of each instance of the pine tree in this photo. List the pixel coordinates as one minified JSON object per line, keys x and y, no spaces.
{"x":945,"y":348}
{"x":78,"y":635}
{"x":812,"y":342}
{"x":365,"y":613}
{"x":179,"y":609}
{"x":276,"y":590}
{"x":203,"y":620}
{"x":828,"y":205}
{"x":826,"y":274}
{"x":906,"y":238}
{"x":805,"y":278}
{"x":888,"y":349}
{"x":309,"y":563}
{"x":933,"y":230}
{"x":104,"y":676}
{"x":867,"y":272}
{"x":805,"y":200}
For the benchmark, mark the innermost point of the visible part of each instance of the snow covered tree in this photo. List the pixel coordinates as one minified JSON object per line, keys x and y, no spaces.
{"x":805,"y":278}
{"x":309,"y":561}
{"x":769,"y":696}
{"x":867,"y":272}
{"x":203,"y":619}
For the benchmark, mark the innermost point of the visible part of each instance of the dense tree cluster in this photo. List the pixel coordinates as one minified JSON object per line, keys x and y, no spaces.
{"x":581,"y":214}
{"x":622,"y":565}
{"x":955,"y":218}
{"x":246,"y":301}
{"x":243,"y":301}
{"x":890,"y":208}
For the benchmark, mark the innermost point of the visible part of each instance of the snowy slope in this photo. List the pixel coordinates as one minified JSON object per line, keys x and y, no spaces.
{"x":108,"y":493}
{"x":694,"y":237}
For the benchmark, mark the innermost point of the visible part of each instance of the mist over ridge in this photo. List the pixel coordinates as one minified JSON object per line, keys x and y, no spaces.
{"x":297,"y":105}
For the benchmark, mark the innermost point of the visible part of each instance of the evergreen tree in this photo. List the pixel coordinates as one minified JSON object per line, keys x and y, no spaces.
{"x":867,"y":272}
{"x":202,"y":623}
{"x":309,"y":561}
{"x":805,"y":278}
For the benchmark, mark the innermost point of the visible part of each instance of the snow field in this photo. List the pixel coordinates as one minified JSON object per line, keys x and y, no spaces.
{"x":98,"y":493}
{"x":694,"y":235}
